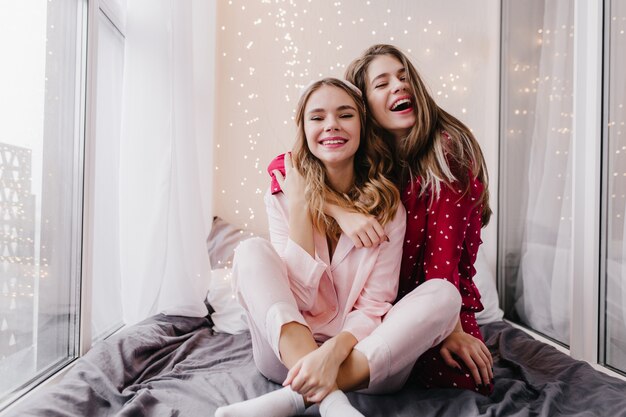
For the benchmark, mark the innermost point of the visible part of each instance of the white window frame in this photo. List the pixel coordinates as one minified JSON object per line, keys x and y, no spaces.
{"x":115,"y":11}
{"x":586,"y":302}
{"x":586,"y":180}
{"x":87,"y":37}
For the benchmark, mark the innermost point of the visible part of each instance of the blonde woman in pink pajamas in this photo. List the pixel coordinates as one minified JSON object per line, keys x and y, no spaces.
{"x":316,"y":304}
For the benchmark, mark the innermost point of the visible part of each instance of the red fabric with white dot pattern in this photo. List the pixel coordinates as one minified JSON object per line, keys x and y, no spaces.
{"x":442,"y":239}
{"x":441,"y":242}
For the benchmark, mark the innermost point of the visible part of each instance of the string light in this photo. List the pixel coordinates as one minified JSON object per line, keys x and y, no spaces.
{"x":277,"y":47}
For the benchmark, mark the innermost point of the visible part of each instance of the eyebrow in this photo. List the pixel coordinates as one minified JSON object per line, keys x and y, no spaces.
{"x":340,"y":108}
{"x":386,"y":74}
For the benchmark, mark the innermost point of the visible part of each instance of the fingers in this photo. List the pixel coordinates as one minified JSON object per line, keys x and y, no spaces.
{"x":288,"y":163}
{"x":292,"y":374}
{"x":365,"y":240}
{"x":471,"y":365}
{"x":380,"y":232}
{"x":369,"y":234}
{"x":372,"y":233}
{"x":298,"y":384}
{"x":319,"y":395}
{"x":306,"y":384}
{"x":449,"y":360}
{"x":310,"y":389}
{"x":484,"y":368}
{"x":303,"y":386}
{"x":356,"y":240}
{"x":478,"y":366}
{"x":487,"y":353}
{"x":488,"y":358}
{"x":279,"y":178}
{"x":315,"y":391}
{"x":301,"y":381}
{"x":374,"y":237}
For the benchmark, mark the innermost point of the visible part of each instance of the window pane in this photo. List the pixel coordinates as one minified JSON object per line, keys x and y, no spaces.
{"x":39,"y":188}
{"x":106,"y":290}
{"x":536,"y":204}
{"x":615,"y":336}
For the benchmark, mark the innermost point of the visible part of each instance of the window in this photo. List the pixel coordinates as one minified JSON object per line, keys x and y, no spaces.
{"x":106,"y":313}
{"x":536,"y":165}
{"x":40,"y":188}
{"x":615,"y":174}
{"x":562,"y":243}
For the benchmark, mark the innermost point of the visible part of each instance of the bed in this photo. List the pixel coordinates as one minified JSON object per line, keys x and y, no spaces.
{"x":178,"y":366}
{"x":185,"y":366}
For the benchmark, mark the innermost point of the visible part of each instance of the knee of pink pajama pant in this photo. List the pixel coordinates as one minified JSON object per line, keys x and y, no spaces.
{"x":422,"y":319}
{"x":448,"y":306}
{"x":443,"y":313}
{"x":251,"y":256}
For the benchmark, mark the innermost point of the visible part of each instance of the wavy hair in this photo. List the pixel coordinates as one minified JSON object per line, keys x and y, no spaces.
{"x":373,"y":191}
{"x":426,"y":151}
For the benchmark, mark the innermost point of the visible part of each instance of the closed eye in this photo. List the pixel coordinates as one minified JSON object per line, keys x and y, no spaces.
{"x":380,"y":85}
{"x":346,"y":116}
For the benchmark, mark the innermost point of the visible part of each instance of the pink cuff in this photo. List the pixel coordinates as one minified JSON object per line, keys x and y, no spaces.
{"x":307,"y":270}
{"x":277,"y":163}
{"x":378,"y":357}
{"x":278,"y":315}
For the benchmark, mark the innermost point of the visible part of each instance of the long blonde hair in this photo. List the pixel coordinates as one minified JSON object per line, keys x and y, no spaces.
{"x":373,"y":191}
{"x":426,"y":151}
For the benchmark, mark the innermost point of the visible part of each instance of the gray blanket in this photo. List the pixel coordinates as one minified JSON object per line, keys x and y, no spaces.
{"x":177,"y":366}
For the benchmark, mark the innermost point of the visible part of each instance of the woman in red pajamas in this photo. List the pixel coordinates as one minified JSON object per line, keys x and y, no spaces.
{"x":444,"y":190}
{"x":443,"y":178}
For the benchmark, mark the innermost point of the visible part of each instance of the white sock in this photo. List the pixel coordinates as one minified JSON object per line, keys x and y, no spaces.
{"x":280,"y":403}
{"x":336,"y":404}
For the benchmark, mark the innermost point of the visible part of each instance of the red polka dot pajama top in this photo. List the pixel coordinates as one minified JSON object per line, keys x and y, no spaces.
{"x":441,"y":242}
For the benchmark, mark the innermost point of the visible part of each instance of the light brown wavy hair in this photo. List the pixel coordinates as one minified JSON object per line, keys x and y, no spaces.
{"x":373,"y":191}
{"x":426,"y":152}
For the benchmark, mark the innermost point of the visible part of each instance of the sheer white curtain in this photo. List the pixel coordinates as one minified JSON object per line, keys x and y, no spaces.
{"x":545,"y":268}
{"x":165,"y":213}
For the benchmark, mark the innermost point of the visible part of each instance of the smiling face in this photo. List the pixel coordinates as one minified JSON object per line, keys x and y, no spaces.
{"x":389,"y":95}
{"x":332,"y":127}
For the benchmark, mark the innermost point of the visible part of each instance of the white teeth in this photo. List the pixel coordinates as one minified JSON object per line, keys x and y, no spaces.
{"x":333,"y":142}
{"x":399,"y":102}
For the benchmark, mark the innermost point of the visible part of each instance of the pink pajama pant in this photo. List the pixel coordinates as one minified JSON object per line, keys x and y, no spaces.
{"x":418,"y":322}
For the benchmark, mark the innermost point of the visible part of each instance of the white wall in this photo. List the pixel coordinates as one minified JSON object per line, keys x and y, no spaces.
{"x":267,"y":50}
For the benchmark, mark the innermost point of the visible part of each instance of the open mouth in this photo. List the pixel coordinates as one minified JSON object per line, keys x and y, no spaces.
{"x":333,"y":141}
{"x":402,"y":104}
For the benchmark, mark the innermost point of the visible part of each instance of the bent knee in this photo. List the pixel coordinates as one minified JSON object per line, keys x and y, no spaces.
{"x":253,"y":253}
{"x":251,"y":248}
{"x":248,"y":258}
{"x":255,"y":260}
{"x":450,"y":298}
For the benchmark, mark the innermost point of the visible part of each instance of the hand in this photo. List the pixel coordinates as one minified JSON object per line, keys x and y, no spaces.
{"x":472,"y":352}
{"x":363,"y":229}
{"x":293,"y":183}
{"x":315,"y":375}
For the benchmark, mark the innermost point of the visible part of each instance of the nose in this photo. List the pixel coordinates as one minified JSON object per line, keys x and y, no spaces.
{"x":398,"y":85}
{"x":331,"y":124}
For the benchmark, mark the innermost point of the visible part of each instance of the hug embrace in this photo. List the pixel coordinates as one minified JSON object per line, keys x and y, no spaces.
{"x":375,"y":220}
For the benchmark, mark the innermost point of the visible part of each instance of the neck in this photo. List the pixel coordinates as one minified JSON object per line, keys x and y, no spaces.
{"x":341,"y":178}
{"x":400,"y":135}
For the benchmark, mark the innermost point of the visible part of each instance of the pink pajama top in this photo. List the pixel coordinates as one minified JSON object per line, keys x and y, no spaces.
{"x":353,"y":291}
